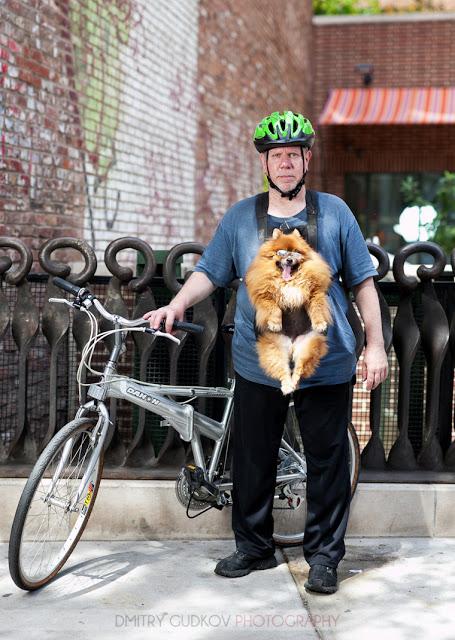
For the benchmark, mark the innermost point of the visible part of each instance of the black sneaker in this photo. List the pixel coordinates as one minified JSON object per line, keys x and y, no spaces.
{"x":322,"y":579}
{"x":239,"y":564}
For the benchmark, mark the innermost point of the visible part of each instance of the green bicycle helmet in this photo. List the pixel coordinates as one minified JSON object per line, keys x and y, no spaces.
{"x":286,"y":128}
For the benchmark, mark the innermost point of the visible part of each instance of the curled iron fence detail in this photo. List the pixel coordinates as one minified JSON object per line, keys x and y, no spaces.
{"x":404,"y":426}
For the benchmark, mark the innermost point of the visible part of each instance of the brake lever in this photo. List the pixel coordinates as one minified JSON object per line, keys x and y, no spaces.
{"x":61,"y":300}
{"x":74,"y":304}
{"x":157,"y":332}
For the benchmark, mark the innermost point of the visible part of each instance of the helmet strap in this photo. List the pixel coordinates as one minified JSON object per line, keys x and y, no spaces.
{"x":286,"y":194}
{"x":293,"y":192}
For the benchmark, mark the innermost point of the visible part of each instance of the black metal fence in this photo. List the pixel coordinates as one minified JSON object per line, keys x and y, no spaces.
{"x":405,"y":427}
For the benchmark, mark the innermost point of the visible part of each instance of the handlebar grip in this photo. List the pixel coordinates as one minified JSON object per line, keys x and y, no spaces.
{"x":188,"y":326}
{"x":66,"y":286}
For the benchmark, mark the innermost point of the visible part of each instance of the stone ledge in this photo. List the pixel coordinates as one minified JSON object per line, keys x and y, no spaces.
{"x":420,"y":16}
{"x":149,"y":510}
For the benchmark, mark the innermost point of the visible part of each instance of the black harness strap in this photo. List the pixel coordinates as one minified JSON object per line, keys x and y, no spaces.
{"x":312,"y":216}
{"x":262,"y":206}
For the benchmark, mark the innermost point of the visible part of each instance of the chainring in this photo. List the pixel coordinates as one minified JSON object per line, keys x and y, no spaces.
{"x":183,"y":493}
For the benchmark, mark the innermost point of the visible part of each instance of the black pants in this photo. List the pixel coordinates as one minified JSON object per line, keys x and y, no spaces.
{"x":259,"y":416}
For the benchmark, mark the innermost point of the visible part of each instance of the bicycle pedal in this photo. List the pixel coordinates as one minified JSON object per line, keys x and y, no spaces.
{"x":195,"y":479}
{"x":194,"y":476}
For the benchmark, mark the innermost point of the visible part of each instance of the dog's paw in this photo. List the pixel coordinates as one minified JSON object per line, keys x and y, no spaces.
{"x":274,"y":325}
{"x":321,"y":327}
{"x":287,"y":387}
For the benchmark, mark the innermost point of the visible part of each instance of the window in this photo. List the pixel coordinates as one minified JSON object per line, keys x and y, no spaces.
{"x":377,"y":202}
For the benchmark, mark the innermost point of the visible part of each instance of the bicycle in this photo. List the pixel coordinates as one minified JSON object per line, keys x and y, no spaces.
{"x":59,"y":495}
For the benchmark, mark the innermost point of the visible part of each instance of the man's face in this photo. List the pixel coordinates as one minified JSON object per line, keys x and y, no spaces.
{"x":285,"y":165}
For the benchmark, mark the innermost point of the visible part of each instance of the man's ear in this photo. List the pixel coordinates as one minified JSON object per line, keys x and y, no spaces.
{"x":276,"y":234}
{"x":262,"y":158}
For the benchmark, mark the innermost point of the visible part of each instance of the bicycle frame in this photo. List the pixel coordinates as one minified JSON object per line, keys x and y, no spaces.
{"x":190,"y":424}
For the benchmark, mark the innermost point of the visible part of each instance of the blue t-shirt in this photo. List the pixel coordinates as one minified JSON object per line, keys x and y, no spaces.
{"x":340,"y":243}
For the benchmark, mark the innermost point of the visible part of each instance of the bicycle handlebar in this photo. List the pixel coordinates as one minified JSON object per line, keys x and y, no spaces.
{"x":66,"y":286}
{"x":188,"y":326}
{"x":84,"y":295}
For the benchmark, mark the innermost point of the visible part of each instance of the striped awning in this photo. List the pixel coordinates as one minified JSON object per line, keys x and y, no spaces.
{"x":417,"y":105}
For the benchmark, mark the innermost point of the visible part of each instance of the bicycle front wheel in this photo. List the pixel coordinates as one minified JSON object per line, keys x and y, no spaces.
{"x":49,"y":522}
{"x":289,"y":505}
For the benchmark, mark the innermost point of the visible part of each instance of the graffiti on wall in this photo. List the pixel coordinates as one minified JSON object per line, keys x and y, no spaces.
{"x":134,"y":73}
{"x":98,"y":30}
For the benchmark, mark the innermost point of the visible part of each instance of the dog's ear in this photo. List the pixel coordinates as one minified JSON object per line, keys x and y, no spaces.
{"x":276,"y":233}
{"x":296,"y":232}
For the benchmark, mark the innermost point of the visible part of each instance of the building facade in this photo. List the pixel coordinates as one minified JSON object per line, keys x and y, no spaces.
{"x":366,"y":163}
{"x":135,"y":117}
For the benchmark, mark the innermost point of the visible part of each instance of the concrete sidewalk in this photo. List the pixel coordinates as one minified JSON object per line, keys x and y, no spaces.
{"x":389,"y":588}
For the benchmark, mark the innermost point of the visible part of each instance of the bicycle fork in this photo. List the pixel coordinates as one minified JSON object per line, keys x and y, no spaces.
{"x":103,"y":420}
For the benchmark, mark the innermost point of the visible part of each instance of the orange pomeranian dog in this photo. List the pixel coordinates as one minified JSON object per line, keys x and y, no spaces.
{"x":287,"y":283}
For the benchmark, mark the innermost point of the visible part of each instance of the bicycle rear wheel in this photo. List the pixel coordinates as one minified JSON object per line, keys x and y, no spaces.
{"x":289,"y":505}
{"x":46,"y":528}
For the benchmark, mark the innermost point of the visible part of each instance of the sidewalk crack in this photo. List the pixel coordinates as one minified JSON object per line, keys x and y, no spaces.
{"x":302,"y":594}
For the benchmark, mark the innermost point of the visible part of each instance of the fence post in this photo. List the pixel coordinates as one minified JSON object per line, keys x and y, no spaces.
{"x":25,"y":321}
{"x":373,"y":455}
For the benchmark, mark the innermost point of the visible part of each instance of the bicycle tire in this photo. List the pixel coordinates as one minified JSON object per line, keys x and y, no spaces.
{"x":293,"y":539}
{"x":66,"y":534}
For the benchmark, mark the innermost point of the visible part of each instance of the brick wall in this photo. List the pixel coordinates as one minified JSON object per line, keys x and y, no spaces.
{"x":134,"y":117}
{"x":254,"y":58}
{"x":408,"y":51}
{"x":93,"y":90}
{"x":41,"y":180}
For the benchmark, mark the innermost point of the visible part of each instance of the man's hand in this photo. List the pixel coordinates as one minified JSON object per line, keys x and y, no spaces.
{"x":195,"y":289}
{"x":169,"y":313}
{"x":375,"y":366}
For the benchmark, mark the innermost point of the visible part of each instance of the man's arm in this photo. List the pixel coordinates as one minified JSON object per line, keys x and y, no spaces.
{"x":375,"y":365}
{"x":196,"y":288}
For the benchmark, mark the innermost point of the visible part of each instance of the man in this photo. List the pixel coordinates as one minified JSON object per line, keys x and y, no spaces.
{"x":284,"y":141}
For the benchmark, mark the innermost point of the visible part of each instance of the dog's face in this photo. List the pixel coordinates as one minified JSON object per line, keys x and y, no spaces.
{"x":286,"y":252}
